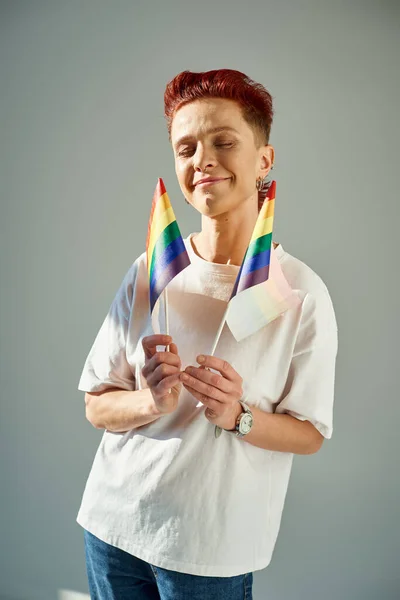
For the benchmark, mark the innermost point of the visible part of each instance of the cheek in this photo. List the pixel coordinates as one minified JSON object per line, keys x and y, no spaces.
{"x":237,"y":168}
{"x":181,"y":173}
{"x":244,"y":175}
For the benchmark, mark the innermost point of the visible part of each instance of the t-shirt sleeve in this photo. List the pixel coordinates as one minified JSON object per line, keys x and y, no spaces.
{"x":106,"y":364}
{"x":309,"y":389}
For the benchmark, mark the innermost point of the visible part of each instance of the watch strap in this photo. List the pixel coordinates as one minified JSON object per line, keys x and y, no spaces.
{"x":246,"y":409}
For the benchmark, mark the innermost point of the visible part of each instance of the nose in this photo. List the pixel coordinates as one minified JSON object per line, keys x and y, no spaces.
{"x":203,"y":159}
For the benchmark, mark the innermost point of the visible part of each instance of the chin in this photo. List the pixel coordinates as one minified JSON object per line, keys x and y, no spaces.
{"x":213,"y":207}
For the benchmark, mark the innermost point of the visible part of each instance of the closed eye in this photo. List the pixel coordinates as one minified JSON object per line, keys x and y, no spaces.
{"x":222,"y":145}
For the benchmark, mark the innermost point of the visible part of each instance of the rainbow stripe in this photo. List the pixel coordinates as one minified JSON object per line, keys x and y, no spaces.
{"x":256,"y":262}
{"x":166,"y":252}
{"x":261,"y":292}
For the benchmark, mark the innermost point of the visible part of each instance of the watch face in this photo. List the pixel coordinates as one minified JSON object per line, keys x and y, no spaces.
{"x":246,"y":423}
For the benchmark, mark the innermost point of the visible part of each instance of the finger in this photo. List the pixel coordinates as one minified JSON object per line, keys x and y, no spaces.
{"x":160,"y":358}
{"x":220,"y":365}
{"x":165,"y":385}
{"x":169,"y":346}
{"x":215,"y":379}
{"x":161,"y":372}
{"x":209,"y":402}
{"x":204,"y":388}
{"x":151,"y":342}
{"x":173,"y":348}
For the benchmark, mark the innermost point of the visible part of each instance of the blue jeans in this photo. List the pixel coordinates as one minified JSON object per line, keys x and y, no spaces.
{"x":114,"y":574}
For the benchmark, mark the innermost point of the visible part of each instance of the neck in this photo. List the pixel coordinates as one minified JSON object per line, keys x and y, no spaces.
{"x":225,"y":239}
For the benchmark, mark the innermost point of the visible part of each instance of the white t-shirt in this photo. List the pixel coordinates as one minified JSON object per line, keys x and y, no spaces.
{"x":171,"y":493}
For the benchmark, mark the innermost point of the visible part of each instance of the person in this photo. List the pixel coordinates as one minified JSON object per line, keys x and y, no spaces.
{"x":169,"y":509}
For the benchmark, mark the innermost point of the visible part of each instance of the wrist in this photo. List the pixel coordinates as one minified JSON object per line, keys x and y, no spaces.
{"x":238,"y":411}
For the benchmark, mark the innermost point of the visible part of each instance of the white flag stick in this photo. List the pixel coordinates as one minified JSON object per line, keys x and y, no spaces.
{"x":166,"y":319}
{"x":217,"y":429}
{"x":166,"y":315}
{"x":221,"y":325}
{"x":219,"y":331}
{"x":166,"y":311}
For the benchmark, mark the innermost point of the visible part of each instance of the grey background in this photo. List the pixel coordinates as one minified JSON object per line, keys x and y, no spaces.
{"x":83,"y":140}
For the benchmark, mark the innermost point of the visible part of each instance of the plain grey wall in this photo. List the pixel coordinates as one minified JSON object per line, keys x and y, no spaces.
{"x":83,"y":142}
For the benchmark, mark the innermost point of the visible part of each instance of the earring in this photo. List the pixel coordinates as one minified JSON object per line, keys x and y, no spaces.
{"x":260,"y":183}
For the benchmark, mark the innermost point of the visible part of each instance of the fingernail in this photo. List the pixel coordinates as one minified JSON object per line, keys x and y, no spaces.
{"x":201,"y":358}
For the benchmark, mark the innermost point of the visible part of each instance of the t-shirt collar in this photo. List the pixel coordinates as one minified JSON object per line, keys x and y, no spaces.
{"x":228,"y":270}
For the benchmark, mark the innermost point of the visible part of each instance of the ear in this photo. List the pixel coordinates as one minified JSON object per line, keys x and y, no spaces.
{"x":267,"y":159}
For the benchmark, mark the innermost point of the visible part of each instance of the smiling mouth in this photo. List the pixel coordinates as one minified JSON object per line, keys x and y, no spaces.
{"x":208,"y":183}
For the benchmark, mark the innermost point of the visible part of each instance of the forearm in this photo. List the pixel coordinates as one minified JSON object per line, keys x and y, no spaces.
{"x":119,"y":410}
{"x":282,"y":433}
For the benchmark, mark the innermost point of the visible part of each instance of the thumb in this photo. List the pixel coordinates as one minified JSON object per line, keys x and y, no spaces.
{"x":173,"y":348}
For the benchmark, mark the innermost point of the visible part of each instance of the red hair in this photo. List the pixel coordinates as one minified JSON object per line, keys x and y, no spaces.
{"x":254,"y":100}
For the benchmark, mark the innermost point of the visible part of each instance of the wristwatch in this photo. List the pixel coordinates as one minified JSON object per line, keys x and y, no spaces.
{"x":244,"y":421}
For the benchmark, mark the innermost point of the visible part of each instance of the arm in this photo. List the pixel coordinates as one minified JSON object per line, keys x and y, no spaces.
{"x":120,"y":410}
{"x":282,"y":433}
{"x":303,"y":416}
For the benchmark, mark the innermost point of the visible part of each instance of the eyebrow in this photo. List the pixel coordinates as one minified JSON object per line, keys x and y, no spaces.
{"x":186,"y":138}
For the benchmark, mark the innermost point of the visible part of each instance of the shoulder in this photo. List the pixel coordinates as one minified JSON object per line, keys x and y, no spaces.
{"x":318,"y":314}
{"x":136,"y":270}
{"x":134,"y":280}
{"x":301,"y":276}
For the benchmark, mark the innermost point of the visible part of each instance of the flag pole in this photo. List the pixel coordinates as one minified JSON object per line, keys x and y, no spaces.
{"x":221,"y":325}
{"x":166,"y":311}
{"x":217,"y":428}
{"x":166,"y":315}
{"x":166,"y":320}
{"x":219,"y":331}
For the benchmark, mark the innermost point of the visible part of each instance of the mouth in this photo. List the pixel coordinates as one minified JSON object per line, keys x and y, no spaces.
{"x":209,"y":182}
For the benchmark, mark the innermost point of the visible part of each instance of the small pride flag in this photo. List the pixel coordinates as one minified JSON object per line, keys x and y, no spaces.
{"x":261,"y":292}
{"x":166,"y":252}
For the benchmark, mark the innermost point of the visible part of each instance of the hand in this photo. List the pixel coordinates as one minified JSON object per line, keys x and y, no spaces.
{"x":162,"y":372}
{"x":220,"y":392}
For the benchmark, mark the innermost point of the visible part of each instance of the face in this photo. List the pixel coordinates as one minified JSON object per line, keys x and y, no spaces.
{"x":210,"y":138}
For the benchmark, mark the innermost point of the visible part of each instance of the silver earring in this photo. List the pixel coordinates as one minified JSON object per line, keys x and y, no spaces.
{"x":259,"y":183}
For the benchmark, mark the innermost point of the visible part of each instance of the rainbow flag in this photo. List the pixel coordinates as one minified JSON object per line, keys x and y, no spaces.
{"x":261,"y":292}
{"x":165,"y":249}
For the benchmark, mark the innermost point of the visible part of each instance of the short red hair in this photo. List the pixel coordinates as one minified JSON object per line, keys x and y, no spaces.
{"x":254,"y":100}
